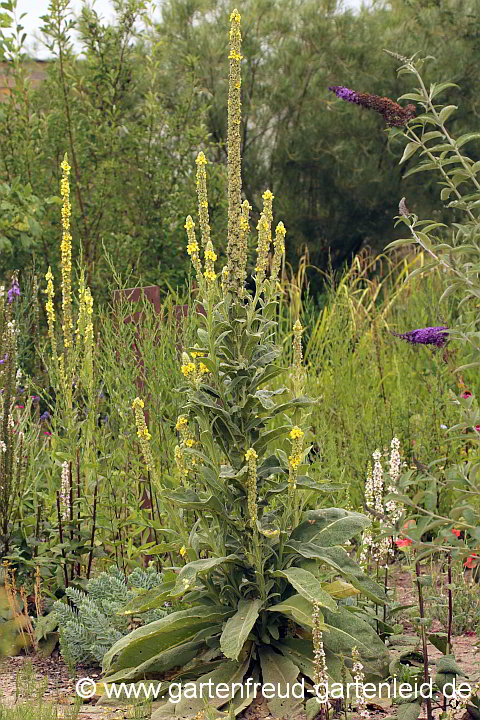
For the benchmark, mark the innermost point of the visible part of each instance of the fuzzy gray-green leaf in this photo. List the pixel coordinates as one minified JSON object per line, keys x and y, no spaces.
{"x":238,"y":627}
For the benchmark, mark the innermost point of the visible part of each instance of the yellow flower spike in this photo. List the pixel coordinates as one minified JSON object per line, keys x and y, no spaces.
{"x":180,"y":462}
{"x":88,"y":341}
{"x":193,"y":249}
{"x":66,"y":256}
{"x":203,"y":198}
{"x":251,"y":457}
{"x":50,"y":310}
{"x":224,"y":281}
{"x":298,"y":374}
{"x":235,"y":263}
{"x":210,"y":258}
{"x":279,"y":250}
{"x":182,"y":421}
{"x":263,"y":246}
{"x":243,"y":247}
{"x":295,"y":459}
{"x":143,"y":434}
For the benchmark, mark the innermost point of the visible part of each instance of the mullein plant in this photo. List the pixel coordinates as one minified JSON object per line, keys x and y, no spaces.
{"x":256,"y":569}
{"x":381,"y":503}
{"x":15,"y":432}
{"x":69,"y":360}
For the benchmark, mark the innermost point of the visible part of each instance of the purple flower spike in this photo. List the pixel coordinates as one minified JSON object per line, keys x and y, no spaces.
{"x":394,"y":114}
{"x":437,"y":336}
{"x":14,"y":290}
{"x":344,"y":93}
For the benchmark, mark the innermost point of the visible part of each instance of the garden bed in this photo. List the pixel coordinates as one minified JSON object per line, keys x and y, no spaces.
{"x":61,"y":684}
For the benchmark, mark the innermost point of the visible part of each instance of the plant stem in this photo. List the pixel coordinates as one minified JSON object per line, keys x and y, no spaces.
{"x":60,"y":534}
{"x":92,"y":540}
{"x":450,"y":604}
{"x":421,"y":607}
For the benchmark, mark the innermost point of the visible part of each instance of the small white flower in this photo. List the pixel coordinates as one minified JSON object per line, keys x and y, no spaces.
{"x":65,"y":490}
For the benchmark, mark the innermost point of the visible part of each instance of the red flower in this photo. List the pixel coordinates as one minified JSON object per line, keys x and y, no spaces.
{"x":466,"y":394}
{"x":470,"y":562}
{"x":477,"y":428}
{"x":456,"y":532}
{"x":47,"y":432}
{"x":403,"y":542}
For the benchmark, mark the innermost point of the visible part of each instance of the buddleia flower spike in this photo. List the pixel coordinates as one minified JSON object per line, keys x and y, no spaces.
{"x":393,"y":113}
{"x":437,"y":336}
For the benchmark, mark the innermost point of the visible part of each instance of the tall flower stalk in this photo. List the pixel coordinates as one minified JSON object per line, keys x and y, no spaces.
{"x":237,"y":259}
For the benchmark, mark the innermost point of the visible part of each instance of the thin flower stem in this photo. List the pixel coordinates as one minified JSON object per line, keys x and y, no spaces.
{"x":450,"y":604}
{"x":60,"y":535}
{"x":421,"y":608}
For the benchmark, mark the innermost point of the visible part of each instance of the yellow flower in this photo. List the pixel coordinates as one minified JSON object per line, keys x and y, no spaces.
{"x":183,"y":551}
{"x":203,"y":368}
{"x":192,"y":248}
{"x":181,"y":422}
{"x":144,"y":434}
{"x":210,"y":275}
{"x":296,"y":432}
{"x":187,"y":369}
{"x":189,"y":442}
{"x":294,"y":461}
{"x":251,"y":455}
{"x":210,"y":255}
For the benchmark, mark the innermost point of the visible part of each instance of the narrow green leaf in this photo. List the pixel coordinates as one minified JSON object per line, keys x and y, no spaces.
{"x":188,"y":574}
{"x":466,"y":138}
{"x":436,"y":89}
{"x":445,"y":113}
{"x":149,"y":600}
{"x":168,"y":632}
{"x":339,"y":560}
{"x":410,"y":149}
{"x":308,"y":586}
{"x":330,"y":526}
{"x":238,"y":628}
{"x":412,"y":96}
